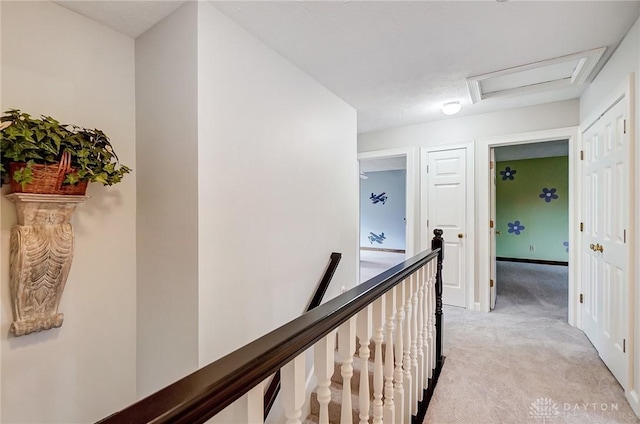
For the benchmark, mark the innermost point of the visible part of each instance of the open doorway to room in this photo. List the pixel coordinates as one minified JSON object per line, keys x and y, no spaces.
{"x":531,"y":199}
{"x":383,"y":214}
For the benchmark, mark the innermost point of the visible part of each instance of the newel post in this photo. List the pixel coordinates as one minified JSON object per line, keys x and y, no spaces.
{"x":438,"y":243}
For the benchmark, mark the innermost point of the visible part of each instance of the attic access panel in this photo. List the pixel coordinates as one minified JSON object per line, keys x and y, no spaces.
{"x":563,"y":71}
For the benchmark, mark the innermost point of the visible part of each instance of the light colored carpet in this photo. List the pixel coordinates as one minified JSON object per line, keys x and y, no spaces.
{"x":505,"y":366}
{"x":373,"y":262}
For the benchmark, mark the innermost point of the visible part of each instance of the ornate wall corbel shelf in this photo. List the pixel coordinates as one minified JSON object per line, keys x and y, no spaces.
{"x":41,"y":256}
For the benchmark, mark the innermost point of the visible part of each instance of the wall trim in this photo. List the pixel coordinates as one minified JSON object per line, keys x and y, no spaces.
{"x":532,"y":261}
{"x":382,"y":249}
{"x":634,"y":401}
{"x":483,"y":180}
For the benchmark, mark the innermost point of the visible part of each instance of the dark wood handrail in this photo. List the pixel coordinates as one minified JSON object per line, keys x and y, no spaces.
{"x":207,"y":391}
{"x":274,"y":386}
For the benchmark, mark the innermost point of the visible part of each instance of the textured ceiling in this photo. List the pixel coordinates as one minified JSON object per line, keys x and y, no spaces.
{"x":396,"y":62}
{"x":130,"y":17}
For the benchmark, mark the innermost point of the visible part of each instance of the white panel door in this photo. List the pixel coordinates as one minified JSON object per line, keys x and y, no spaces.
{"x":605,"y":252}
{"x":446,"y":203}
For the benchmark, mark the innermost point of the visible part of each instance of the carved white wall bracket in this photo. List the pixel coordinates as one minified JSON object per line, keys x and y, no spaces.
{"x":41,"y":256}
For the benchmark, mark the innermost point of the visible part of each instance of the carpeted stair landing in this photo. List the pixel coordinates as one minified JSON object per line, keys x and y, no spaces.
{"x":335,"y":405}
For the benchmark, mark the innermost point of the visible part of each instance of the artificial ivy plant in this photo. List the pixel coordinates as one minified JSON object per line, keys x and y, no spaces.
{"x":44,"y":140}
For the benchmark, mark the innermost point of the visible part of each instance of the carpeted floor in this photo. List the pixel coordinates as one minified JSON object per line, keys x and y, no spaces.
{"x":522,"y":363}
{"x":374,"y":262}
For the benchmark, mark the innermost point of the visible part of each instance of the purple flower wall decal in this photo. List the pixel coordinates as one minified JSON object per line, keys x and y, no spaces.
{"x":515,"y":227}
{"x":548,"y":194}
{"x":508,"y":174}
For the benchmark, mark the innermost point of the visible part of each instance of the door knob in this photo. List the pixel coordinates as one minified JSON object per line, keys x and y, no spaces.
{"x":460,"y":235}
{"x":592,"y":247}
{"x":599,"y":248}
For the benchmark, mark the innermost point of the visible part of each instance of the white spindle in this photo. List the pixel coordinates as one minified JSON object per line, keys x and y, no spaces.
{"x":324,"y":351}
{"x":378,"y":377}
{"x":363,"y":331}
{"x":346,"y":349}
{"x":421,"y":335}
{"x":432,"y":318}
{"x":414,"y":343}
{"x":406,"y":352}
{"x":427,"y":326}
{"x":293,"y":390}
{"x":398,"y":394}
{"x":255,"y":404}
{"x":389,"y":401}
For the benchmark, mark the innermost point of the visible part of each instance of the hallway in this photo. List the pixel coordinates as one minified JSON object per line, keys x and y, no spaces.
{"x":522,"y":363}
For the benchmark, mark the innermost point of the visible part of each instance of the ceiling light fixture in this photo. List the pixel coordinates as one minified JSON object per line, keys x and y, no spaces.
{"x":451,"y":108}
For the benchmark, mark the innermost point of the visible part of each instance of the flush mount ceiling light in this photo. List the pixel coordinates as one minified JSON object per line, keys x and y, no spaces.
{"x":451,"y":108}
{"x":564,"y":71}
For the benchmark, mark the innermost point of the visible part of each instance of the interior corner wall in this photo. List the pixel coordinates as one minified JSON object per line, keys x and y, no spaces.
{"x":59,"y":63}
{"x":278,"y":186}
{"x":167,"y":214}
{"x":532,"y":209}
{"x":624,"y":61}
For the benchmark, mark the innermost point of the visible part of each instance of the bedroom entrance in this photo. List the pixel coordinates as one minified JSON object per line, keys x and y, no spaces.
{"x":386,"y":210}
{"x":531,"y":200}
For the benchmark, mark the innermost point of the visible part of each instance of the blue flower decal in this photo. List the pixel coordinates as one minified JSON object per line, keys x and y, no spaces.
{"x":566,"y":244}
{"x":548,"y":194}
{"x":508,"y":174}
{"x":377,"y":238}
{"x":515,"y":227}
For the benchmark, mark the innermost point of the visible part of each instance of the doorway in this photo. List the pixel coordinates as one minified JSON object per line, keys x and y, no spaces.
{"x":531,"y":221}
{"x":486,"y":212}
{"x":386,"y":210}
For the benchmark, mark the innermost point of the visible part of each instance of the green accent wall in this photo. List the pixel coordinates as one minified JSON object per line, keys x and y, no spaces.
{"x":519,"y":187}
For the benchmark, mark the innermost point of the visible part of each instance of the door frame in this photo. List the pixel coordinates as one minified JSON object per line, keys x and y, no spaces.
{"x":425,"y":237}
{"x":410,"y":206}
{"x":484,"y":203}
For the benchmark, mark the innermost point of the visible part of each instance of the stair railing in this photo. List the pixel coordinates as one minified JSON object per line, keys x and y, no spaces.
{"x":274,"y":386}
{"x":400,"y":309}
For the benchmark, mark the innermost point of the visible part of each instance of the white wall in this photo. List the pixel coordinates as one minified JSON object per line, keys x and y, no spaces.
{"x":167,"y":225}
{"x":278,"y":186}
{"x":625,"y":60}
{"x":467,"y":128}
{"x":56,"y":62}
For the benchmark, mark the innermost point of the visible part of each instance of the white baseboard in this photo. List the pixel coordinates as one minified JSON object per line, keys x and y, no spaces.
{"x":634,"y":401}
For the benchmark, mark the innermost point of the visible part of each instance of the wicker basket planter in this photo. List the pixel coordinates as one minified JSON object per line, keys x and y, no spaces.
{"x":47,"y":179}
